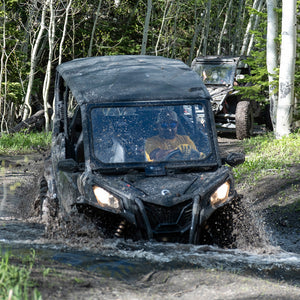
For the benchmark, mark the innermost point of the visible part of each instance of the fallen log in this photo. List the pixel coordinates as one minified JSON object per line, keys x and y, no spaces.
{"x":35,"y":123}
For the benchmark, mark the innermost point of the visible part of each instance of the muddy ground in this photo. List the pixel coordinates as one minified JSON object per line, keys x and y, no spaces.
{"x":275,"y":201}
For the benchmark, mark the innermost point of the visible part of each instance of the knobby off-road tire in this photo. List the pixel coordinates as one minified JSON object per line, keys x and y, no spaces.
{"x":244,"y":120}
{"x":219,"y":228}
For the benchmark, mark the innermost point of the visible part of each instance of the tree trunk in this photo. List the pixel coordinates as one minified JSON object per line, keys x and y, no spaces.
{"x":224,"y":26}
{"x":2,"y":67}
{"x":33,"y":63}
{"x":206,"y":27}
{"x":287,"y":70}
{"x":259,"y":9}
{"x":46,"y":86}
{"x":248,"y":29}
{"x":34,"y":123}
{"x":173,"y":53}
{"x":272,"y":57}
{"x":167,"y":7}
{"x":94,"y":27}
{"x":64,"y":32}
{"x":238,"y":32}
{"x":146,"y":27}
{"x":197,"y":31}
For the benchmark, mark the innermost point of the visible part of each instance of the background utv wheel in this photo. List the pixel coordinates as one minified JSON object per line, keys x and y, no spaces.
{"x":244,"y":120}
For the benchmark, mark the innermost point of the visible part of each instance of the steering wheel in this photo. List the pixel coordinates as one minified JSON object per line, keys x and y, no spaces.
{"x":177,"y":154}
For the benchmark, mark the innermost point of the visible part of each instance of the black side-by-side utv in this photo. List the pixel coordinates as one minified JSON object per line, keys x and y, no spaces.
{"x":107,"y":111}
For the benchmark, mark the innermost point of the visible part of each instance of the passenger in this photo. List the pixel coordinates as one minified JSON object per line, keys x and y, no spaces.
{"x":158,"y":147}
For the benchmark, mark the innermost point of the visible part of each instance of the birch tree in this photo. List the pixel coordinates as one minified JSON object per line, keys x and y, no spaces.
{"x":33,"y":61}
{"x":164,"y":19}
{"x":287,"y":70}
{"x":249,"y":27}
{"x":272,"y":58}
{"x":206,"y":28}
{"x":2,"y":68}
{"x":146,"y":27}
{"x":259,"y":9}
{"x":64,"y":32}
{"x":95,"y":24}
{"x":46,"y":85}
{"x":236,"y":39}
{"x":224,"y":27}
{"x":198,"y":26}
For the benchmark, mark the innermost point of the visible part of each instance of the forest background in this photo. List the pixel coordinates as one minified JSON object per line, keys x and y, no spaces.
{"x":36,"y":36}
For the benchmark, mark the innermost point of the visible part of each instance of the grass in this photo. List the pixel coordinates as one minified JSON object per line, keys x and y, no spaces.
{"x":15,"y":281}
{"x":266,"y":155}
{"x":22,"y":142}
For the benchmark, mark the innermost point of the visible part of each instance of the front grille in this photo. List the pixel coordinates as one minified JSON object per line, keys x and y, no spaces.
{"x":170,"y":219}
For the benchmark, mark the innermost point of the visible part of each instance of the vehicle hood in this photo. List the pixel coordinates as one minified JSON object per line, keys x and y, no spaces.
{"x":168,"y":190}
{"x":217,"y":90}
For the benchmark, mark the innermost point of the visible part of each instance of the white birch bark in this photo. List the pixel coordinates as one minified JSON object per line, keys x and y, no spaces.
{"x":46,"y":85}
{"x":3,"y":47}
{"x":196,"y":34}
{"x":2,"y":68}
{"x":168,"y":5}
{"x":33,"y":63}
{"x":256,"y":22}
{"x":224,"y":27}
{"x":64,"y":32}
{"x":272,"y":57}
{"x":249,"y":27}
{"x":95,"y":25}
{"x":287,"y":70}
{"x":146,"y":27}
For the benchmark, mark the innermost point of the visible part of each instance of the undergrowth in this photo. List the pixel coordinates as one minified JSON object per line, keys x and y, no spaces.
{"x":22,"y":142}
{"x":266,"y":155}
{"x":15,"y":283}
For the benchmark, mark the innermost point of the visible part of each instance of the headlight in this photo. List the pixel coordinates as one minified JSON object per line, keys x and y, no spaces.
{"x":105,"y":199}
{"x":221,"y":194}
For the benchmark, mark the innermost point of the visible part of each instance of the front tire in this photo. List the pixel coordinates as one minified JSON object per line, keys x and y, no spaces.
{"x":219,"y":229}
{"x":244,"y":120}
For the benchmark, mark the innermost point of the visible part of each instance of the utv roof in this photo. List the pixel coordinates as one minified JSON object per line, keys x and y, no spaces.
{"x":211,"y":58}
{"x":131,"y":77}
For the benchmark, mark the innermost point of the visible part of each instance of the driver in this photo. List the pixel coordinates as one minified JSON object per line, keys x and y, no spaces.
{"x":159,"y":146}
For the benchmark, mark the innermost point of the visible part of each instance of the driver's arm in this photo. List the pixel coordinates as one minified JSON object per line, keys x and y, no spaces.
{"x":155,"y":150}
{"x":184,"y":142}
{"x":159,"y":154}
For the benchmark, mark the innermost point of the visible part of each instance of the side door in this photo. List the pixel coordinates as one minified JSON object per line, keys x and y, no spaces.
{"x":63,"y":146}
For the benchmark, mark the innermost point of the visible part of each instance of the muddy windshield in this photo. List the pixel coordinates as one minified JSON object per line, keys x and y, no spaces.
{"x":216,"y":73}
{"x":150,"y":134}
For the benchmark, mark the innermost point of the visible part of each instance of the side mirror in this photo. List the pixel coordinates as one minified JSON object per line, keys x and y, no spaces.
{"x":68,"y":165}
{"x":234,"y":159}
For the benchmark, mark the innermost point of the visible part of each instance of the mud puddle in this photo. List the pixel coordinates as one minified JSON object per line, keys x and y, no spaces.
{"x":125,"y":260}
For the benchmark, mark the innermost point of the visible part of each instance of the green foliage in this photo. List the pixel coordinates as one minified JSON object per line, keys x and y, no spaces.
{"x":267,"y":155}
{"x":258,"y":83}
{"x":15,"y":281}
{"x":22,"y":142}
{"x":119,"y":30}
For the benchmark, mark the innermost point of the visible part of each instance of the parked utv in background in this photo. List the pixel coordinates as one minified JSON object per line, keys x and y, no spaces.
{"x":106,"y":110}
{"x":232,"y":112}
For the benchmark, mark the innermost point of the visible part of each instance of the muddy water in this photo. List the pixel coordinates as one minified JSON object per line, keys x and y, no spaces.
{"x":121,"y":259}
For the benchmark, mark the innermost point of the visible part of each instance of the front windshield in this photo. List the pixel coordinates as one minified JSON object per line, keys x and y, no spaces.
{"x":150,"y":134}
{"x":217,"y":73}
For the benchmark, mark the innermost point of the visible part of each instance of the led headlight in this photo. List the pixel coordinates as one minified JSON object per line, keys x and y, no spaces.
{"x":220,"y":195}
{"x":105,"y":199}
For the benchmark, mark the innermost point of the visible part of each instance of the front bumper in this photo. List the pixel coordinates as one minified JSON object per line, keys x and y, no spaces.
{"x":176,"y":223}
